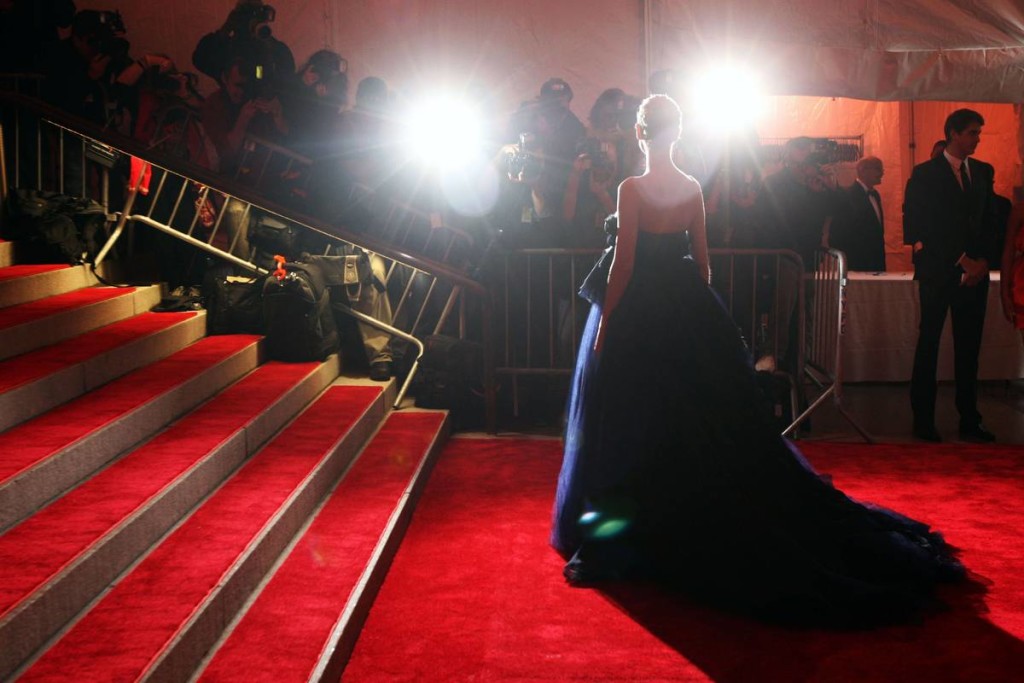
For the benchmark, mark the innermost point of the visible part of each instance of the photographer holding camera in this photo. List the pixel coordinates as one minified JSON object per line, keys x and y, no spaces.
{"x":603,"y":159}
{"x":81,"y":71}
{"x":314,"y":101}
{"x":530,"y":200}
{"x":91,"y":74}
{"x":246,"y":33}
{"x":243,"y":105}
{"x":588,"y":195}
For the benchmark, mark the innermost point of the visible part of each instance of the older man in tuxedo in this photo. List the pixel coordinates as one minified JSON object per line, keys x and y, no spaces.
{"x":950,"y":220}
{"x":859,"y":232}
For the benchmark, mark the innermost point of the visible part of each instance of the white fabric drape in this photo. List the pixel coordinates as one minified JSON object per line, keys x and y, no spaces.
{"x":968,"y":50}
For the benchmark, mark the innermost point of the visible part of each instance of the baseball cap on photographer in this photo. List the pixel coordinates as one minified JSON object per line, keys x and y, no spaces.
{"x":555,"y":88}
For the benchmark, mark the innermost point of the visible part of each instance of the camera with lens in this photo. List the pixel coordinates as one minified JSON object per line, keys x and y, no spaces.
{"x":173,"y":83}
{"x":523,"y":163}
{"x":262,"y":83}
{"x":245,"y":19}
{"x":602,"y":168}
{"x":107,"y":33}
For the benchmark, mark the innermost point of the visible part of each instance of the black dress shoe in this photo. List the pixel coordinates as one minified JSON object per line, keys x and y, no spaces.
{"x":976,"y":432}
{"x":380,"y":371}
{"x":927,"y":432}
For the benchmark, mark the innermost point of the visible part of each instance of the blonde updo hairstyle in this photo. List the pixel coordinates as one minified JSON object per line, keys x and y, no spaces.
{"x":660,"y":121}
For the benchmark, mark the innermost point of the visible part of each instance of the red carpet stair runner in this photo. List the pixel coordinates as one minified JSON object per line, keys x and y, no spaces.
{"x":171,"y":507}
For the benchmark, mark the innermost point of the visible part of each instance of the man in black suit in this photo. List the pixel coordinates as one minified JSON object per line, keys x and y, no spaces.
{"x":860,"y":231}
{"x":949,"y":218}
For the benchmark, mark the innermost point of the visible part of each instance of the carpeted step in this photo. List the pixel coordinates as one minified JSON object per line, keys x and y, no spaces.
{"x":335,"y":568}
{"x":162,"y":616}
{"x":55,"y":562}
{"x":34,"y":382}
{"x":35,"y":324}
{"x":29,"y":282}
{"x":50,"y":453}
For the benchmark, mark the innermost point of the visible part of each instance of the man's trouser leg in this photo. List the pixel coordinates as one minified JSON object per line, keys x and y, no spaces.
{"x":374,"y":303}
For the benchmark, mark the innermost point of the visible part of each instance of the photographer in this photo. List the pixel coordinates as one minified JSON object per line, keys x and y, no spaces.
{"x":530,"y":200}
{"x":82,"y":70}
{"x":367,"y":135}
{"x":588,"y":196}
{"x":561,"y":131}
{"x":90,"y":74}
{"x":27,"y":27}
{"x":241,"y":107}
{"x":602,"y":161}
{"x":245,"y":34}
{"x":314,"y":102}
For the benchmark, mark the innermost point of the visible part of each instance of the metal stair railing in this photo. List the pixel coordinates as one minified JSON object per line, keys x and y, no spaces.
{"x":424,"y":270}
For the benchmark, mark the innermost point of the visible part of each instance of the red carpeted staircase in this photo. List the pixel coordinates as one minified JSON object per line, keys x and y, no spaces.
{"x":173,"y":505}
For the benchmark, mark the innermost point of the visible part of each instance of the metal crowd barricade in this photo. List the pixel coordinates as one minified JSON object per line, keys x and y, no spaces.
{"x":761,"y":289}
{"x":828,"y":323}
{"x":419,"y":311}
{"x":541,"y":316}
{"x":264,"y":165}
{"x":427,"y":278}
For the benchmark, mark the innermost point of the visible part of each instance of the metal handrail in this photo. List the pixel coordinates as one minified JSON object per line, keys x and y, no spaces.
{"x":460,"y":282}
{"x":240,"y":191}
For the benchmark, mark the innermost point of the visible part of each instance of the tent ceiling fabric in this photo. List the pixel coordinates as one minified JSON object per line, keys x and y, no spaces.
{"x":965,"y":50}
{"x":969,"y":50}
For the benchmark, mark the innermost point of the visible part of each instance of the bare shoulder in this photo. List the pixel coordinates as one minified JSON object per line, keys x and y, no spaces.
{"x":691,"y":188}
{"x":688,"y":179}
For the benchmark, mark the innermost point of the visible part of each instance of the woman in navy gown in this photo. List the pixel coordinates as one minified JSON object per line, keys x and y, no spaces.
{"x":673,"y":469}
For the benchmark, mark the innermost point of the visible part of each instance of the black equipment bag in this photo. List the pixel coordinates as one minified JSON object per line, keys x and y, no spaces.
{"x":297,"y":315}
{"x":449,"y":377}
{"x":56,"y":226}
{"x":234,"y":304}
{"x":350,"y":270}
{"x":271,"y":237}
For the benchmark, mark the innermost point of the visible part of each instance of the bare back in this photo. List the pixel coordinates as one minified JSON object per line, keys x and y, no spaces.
{"x":668,"y":202}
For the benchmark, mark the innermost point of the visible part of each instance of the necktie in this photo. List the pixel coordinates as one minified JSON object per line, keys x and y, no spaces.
{"x":965,"y":179}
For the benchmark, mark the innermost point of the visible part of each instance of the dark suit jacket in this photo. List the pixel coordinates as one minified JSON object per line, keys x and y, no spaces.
{"x":858,"y":233}
{"x":946,"y":220}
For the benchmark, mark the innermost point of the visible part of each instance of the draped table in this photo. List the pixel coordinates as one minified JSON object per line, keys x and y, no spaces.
{"x":881,"y":333}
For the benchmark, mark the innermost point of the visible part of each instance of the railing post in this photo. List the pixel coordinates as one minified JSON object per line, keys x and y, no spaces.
{"x":3,"y":171}
{"x":122,"y":219}
{"x":490,"y":386}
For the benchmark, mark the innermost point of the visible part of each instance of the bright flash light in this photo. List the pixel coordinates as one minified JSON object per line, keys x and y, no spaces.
{"x":728,"y":98}
{"x":443,"y":132}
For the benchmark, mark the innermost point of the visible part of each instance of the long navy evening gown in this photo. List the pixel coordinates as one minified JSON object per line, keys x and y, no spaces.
{"x":674,"y":470}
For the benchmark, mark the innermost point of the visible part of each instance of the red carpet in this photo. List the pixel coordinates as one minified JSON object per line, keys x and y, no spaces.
{"x":50,"y":359}
{"x":276,"y":642}
{"x":27,"y":444}
{"x":475,"y":593}
{"x":35,"y":310}
{"x":26,"y":270}
{"x":36,"y":550}
{"x":126,"y":631}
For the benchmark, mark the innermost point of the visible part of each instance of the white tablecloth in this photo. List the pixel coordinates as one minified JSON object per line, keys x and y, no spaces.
{"x":881,"y":333}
